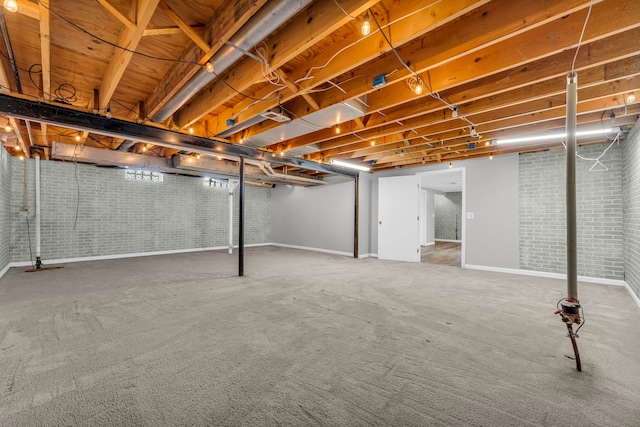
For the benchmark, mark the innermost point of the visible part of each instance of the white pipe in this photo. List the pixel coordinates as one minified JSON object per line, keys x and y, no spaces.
{"x":37,"y":207}
{"x":230,"y":219}
{"x":232,"y":185}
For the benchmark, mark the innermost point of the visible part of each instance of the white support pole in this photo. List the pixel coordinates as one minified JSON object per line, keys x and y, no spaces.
{"x":232,"y":185}
{"x":38,"y":212}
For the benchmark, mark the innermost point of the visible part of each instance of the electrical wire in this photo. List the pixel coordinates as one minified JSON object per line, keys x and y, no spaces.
{"x":434,"y":95}
{"x":135,"y":52}
{"x":344,"y":11}
{"x":573,"y":64}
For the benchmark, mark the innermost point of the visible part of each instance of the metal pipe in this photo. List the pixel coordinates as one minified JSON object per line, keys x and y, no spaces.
{"x":241,"y":220}
{"x":356,"y":219}
{"x":7,"y":43}
{"x":269,"y":18}
{"x":38,"y":262}
{"x":572,"y":263}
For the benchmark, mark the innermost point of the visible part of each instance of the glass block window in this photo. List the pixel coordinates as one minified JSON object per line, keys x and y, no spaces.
{"x":216,"y":182}
{"x":142,"y":175}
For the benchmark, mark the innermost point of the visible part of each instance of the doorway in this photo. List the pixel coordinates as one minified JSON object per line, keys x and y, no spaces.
{"x":442,"y":228}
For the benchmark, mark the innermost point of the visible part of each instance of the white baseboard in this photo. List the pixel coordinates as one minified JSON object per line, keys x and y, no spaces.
{"x":429,"y":244}
{"x":4,"y":270}
{"x":306,"y":248}
{"x":633,"y":294}
{"x":448,"y":241}
{"x":128,"y":255}
{"x":547,"y":275}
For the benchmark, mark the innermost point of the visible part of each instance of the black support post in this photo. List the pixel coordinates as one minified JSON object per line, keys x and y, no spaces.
{"x":241,"y":220}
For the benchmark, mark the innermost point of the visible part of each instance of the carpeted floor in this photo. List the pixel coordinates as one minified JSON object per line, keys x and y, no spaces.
{"x":308,"y":339}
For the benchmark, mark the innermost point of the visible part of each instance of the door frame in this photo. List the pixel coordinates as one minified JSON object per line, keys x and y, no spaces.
{"x":463,"y":181}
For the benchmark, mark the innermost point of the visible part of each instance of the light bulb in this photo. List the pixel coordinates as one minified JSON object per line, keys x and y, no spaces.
{"x":491,"y":157}
{"x":450,"y":165}
{"x":191,"y":130}
{"x":209,"y":67}
{"x":77,"y":138}
{"x":418,"y":88}
{"x":144,"y":149}
{"x":366,"y":25}
{"x":454,"y":111}
{"x":337,"y":129}
{"x":11,"y":5}
{"x":108,"y":112}
{"x":373,"y":143}
{"x":7,"y":128}
{"x":631,"y":98}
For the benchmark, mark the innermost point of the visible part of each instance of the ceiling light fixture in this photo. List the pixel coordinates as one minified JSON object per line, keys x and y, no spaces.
{"x":450,"y":165}
{"x":11,"y":5}
{"x":191,"y":130}
{"x":77,"y":138}
{"x":552,"y":136}
{"x":337,"y":129}
{"x":7,"y":128}
{"x":108,"y":115}
{"x":454,"y":111}
{"x":472,"y":130}
{"x":366,"y":24}
{"x":350,"y":165}
{"x":209,"y":67}
{"x":373,"y":143}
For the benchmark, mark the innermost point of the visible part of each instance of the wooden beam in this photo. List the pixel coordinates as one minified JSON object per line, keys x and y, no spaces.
{"x":28,"y":8}
{"x":467,"y":88}
{"x":186,"y":28}
{"x":115,"y":12}
{"x":320,"y":19}
{"x":220,"y":28}
{"x":167,"y":31}
{"x":295,"y":89}
{"x":120,"y":60}
{"x":45,"y":48}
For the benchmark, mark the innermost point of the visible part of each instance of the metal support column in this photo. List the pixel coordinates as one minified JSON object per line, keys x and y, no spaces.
{"x":241,"y":219}
{"x":356,"y":215}
{"x":572,"y":259}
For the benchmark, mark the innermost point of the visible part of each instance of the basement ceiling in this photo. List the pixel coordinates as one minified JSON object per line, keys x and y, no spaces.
{"x":501,"y":65}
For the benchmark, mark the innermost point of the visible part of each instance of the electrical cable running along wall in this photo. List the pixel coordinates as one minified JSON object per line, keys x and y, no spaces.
{"x":119,"y":216}
{"x":599,"y":213}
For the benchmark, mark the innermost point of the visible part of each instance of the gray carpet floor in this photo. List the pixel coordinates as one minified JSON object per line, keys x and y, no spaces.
{"x":308,"y":339}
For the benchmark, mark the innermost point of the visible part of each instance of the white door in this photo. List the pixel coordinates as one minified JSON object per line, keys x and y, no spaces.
{"x":398,"y":218}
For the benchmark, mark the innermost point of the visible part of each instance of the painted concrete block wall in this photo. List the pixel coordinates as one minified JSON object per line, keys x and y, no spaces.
{"x":492,"y":194}
{"x":319,"y":217}
{"x":631,"y":210}
{"x":599,"y":212}
{"x":448,"y":216}
{"x":5,"y":208}
{"x":120,"y":216}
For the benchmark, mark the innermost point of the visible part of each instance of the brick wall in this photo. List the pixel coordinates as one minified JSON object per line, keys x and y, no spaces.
{"x":5,"y":208}
{"x":599,"y":212}
{"x":631,"y":192}
{"x":448,"y":209}
{"x":120,"y":216}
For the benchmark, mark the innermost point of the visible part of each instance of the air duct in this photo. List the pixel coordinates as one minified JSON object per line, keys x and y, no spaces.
{"x":268,"y":19}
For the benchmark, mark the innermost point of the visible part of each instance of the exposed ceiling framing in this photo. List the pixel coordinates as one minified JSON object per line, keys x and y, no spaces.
{"x":501,"y":63}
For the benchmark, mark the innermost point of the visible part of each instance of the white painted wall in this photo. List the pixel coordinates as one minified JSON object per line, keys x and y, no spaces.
{"x":320,"y":218}
{"x":492,"y":237}
{"x":430,"y":218}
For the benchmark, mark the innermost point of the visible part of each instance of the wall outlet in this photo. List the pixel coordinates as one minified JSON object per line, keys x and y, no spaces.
{"x":469,"y":215}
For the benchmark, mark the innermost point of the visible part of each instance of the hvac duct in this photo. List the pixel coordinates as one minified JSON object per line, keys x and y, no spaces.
{"x":269,"y":18}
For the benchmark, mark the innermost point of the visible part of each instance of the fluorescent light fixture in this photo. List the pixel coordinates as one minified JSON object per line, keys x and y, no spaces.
{"x":552,"y":136}
{"x":350,"y":165}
